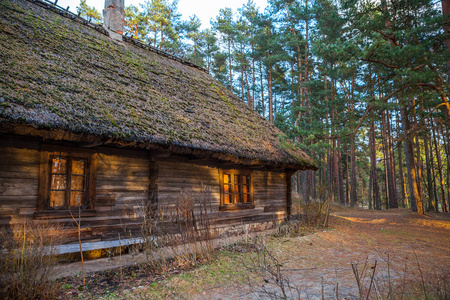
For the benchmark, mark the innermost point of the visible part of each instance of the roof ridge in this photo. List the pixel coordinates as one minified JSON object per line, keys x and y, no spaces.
{"x":53,"y":6}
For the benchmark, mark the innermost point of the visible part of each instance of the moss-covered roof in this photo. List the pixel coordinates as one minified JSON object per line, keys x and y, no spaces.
{"x":58,"y":74}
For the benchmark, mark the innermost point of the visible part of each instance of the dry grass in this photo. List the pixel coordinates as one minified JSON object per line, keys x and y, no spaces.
{"x":306,"y":218}
{"x":28,"y":261}
{"x":318,"y":264}
{"x":178,"y":234}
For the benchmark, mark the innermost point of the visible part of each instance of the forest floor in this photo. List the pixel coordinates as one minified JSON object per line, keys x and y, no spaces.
{"x":411,"y":252}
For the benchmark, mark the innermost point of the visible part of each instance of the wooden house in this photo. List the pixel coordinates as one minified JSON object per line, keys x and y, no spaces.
{"x":93,"y":119}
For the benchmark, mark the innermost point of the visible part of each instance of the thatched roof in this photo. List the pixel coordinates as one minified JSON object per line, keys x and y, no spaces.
{"x":59,"y":74}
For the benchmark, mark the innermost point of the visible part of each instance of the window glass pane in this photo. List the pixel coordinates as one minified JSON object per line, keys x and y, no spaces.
{"x":226,"y":178}
{"x":244,"y":179}
{"x":76,"y":198}
{"x":226,"y":199}
{"x":226,"y":188}
{"x":245,"y":189}
{"x":78,"y":167}
{"x":237,"y":189}
{"x":237,"y":179}
{"x":59,"y":165}
{"x":57,"y":198}
{"x":77,"y":183}
{"x":58,"y":182}
{"x":237,"y":198}
{"x":245,"y":198}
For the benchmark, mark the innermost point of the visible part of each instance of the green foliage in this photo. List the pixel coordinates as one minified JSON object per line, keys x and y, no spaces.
{"x":89,"y":12}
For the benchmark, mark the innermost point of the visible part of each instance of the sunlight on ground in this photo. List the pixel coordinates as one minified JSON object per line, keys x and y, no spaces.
{"x":361,"y":220}
{"x":434,"y":223}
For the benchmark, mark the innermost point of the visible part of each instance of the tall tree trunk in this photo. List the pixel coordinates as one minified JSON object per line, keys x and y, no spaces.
{"x":262,"y":90}
{"x":419,"y":161}
{"x":429,"y":179}
{"x":433,"y":173}
{"x":353,"y":191}
{"x":249,"y":99}
{"x":370,"y":195}
{"x":445,"y":136}
{"x":390,"y":181}
{"x":242,"y":84}
{"x":400,"y":170}
{"x":269,"y":86}
{"x":446,"y":13}
{"x":306,"y":56}
{"x":441,"y":176}
{"x":373,"y":166}
{"x":340,"y":175}
{"x":416,"y":200}
{"x":393,"y":202}
{"x":253,"y":79}
{"x":347,"y":179}
{"x":229,"y":66}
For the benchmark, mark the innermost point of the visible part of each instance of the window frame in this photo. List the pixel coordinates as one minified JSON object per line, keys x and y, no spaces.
{"x":235,"y":206}
{"x":47,"y":154}
{"x":69,"y":176}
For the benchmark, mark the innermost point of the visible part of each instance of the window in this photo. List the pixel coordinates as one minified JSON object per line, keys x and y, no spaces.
{"x":66,"y":180}
{"x":236,"y":190}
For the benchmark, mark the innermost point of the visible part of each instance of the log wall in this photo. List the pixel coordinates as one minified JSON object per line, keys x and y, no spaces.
{"x":269,"y":193}
{"x":19,"y":179}
{"x":126,"y":181}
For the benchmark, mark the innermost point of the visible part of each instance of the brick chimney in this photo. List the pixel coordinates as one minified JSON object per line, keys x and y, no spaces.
{"x":113,"y":18}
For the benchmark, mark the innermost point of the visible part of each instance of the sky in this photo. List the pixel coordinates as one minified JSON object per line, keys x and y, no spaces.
{"x":204,"y":9}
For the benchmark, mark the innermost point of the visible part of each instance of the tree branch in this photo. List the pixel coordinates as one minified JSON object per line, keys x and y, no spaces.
{"x":380,"y":62}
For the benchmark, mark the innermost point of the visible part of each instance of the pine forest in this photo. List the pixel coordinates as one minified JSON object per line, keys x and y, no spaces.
{"x":361,"y":85}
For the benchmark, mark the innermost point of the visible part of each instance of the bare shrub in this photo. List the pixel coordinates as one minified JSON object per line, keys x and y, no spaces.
{"x":399,"y":281}
{"x":271,"y":282}
{"x":305,"y":217}
{"x":27,"y":261}
{"x":178,"y":233}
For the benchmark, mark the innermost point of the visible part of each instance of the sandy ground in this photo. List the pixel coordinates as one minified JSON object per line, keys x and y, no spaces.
{"x":414,"y":246}
{"x":406,"y":247}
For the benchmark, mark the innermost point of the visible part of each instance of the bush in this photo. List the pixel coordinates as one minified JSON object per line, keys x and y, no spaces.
{"x":306,"y":217}
{"x":28,"y":261}
{"x":178,"y":233}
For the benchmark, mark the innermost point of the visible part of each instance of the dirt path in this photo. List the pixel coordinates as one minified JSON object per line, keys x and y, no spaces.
{"x":412,"y":244}
{"x":317,"y":264}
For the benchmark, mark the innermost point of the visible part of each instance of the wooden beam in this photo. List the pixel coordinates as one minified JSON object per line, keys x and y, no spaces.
{"x":289,"y":173}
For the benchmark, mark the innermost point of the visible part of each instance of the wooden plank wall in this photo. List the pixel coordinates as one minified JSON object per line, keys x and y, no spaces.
{"x":122,"y":187}
{"x":175,"y":176}
{"x":122,"y":190}
{"x":123,"y":181}
{"x":269,"y":192}
{"x":269,"y":197}
{"x":19,"y":174}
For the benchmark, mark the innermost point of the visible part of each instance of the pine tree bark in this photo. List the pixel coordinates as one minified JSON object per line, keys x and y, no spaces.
{"x":390,"y":181}
{"x":441,"y":176}
{"x":429,"y":179}
{"x":433,"y":172}
{"x":262,"y":90}
{"x":269,"y":87}
{"x":373,"y":166}
{"x":229,"y":65}
{"x":446,"y":13}
{"x":340,"y":175}
{"x":393,"y":203}
{"x":347,"y":179}
{"x":416,"y":200}
{"x":402,"y":178}
{"x":353,"y":189}
{"x":418,"y":158}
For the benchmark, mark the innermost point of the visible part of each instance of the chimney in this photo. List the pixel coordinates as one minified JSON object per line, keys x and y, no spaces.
{"x":113,"y":18}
